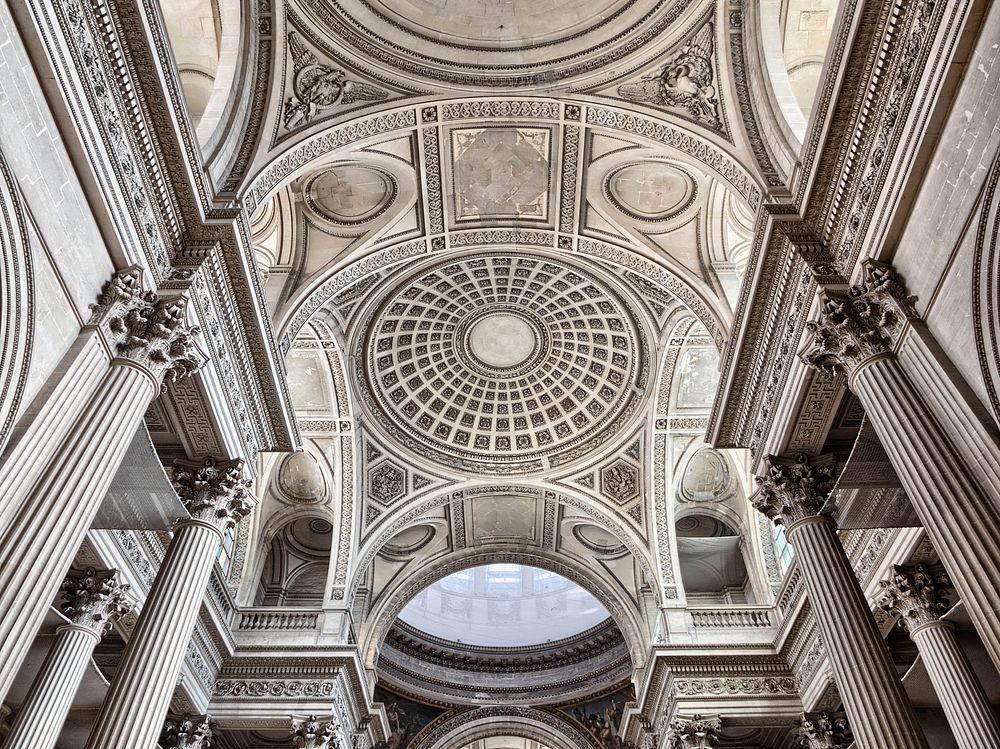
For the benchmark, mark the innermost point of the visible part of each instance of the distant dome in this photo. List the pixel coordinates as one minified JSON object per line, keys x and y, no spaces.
{"x":503,"y":605}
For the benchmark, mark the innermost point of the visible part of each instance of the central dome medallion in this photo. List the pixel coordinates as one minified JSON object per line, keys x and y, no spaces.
{"x":503,"y":364}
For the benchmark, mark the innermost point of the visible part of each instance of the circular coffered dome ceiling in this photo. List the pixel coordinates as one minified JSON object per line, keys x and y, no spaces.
{"x":503,"y":364}
{"x":497,"y":43}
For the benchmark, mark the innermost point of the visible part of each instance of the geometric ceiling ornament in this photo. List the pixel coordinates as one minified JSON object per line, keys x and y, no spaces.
{"x":349,"y":194}
{"x":620,"y":481}
{"x":706,"y":477}
{"x":685,"y":83}
{"x":503,"y":364}
{"x":501,"y":172}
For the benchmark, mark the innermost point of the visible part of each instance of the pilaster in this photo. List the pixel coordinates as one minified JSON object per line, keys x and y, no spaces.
{"x":822,"y":731}
{"x":312,"y":732}
{"x":188,"y":732}
{"x":694,"y":732}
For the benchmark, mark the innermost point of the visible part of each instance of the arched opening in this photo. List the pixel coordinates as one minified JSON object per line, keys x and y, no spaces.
{"x":795,"y":35}
{"x":712,"y":565}
{"x":295,"y":569}
{"x":501,"y":625}
{"x":503,"y":604}
{"x":195,"y":31}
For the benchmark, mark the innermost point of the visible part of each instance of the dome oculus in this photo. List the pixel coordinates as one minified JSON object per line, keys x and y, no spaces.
{"x":493,"y":363}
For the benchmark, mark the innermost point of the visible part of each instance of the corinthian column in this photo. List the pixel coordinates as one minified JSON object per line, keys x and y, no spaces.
{"x":822,"y":731}
{"x":947,"y":461}
{"x":51,"y":515}
{"x":918,"y":595}
{"x":215,"y":495}
{"x":312,"y":732}
{"x":91,"y":601}
{"x":188,"y":732}
{"x":694,"y":732}
{"x":793,"y":493}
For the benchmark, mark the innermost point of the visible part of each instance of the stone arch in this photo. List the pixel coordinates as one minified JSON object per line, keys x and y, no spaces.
{"x":543,"y":726}
{"x":278,"y":551}
{"x":17,"y":311}
{"x":986,"y":289}
{"x":373,"y":630}
{"x":395,"y":521}
{"x":662,"y":130}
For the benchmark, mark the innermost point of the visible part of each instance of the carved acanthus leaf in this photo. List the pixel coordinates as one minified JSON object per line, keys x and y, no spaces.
{"x":861,"y":324}
{"x":793,"y":489}
{"x":694,"y":732}
{"x":94,"y":599}
{"x":313,"y":733}
{"x":214,"y":491}
{"x":822,"y":731}
{"x":918,"y":594}
{"x":146,"y":329}
{"x":188,"y":732}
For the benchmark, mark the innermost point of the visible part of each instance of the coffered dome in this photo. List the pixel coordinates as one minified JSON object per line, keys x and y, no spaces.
{"x":498,"y":364}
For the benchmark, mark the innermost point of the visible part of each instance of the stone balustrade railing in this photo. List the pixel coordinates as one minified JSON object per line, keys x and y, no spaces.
{"x":271,"y":619}
{"x":743,"y":617}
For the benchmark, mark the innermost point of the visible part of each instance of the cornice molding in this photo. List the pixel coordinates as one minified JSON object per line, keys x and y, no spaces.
{"x":869,"y":107}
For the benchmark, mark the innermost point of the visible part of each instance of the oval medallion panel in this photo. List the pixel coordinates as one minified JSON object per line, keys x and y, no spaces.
{"x":349,"y":193}
{"x":651,"y":190}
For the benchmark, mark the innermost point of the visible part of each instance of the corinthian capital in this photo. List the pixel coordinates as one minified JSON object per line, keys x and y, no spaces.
{"x":917,"y":593}
{"x":188,"y":732}
{"x":861,"y":324}
{"x":94,"y":599}
{"x":213,"y":491}
{"x":793,"y":489}
{"x":695,"y":732}
{"x":313,"y":733}
{"x":146,"y":329}
{"x":822,"y":731}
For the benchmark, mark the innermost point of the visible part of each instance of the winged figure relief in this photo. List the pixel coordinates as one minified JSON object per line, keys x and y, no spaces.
{"x":686,"y":81}
{"x":316,"y":86}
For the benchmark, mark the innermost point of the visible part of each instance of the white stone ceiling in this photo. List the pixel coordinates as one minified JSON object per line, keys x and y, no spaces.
{"x":570,"y":368}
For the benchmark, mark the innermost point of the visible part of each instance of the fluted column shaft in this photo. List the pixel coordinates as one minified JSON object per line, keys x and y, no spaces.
{"x":879,"y":711}
{"x":47,"y":531}
{"x":965,"y":704}
{"x":137,"y":702}
{"x":960,"y":519}
{"x":945,"y":451}
{"x":29,"y":453}
{"x":47,"y":512}
{"x":51,"y":695}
